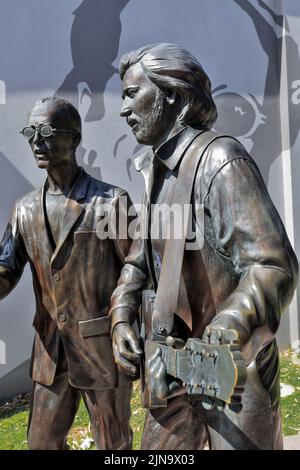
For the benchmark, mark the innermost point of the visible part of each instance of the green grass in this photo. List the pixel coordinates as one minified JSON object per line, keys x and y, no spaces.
{"x":14,"y":414}
{"x":13,"y":424}
{"x":14,"y":417}
{"x":290,"y":406}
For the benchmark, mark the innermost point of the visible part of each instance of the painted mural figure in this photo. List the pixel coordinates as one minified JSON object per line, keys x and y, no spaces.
{"x":75,"y":271}
{"x":92,"y":56}
{"x":241,"y":278}
{"x":244,"y":115}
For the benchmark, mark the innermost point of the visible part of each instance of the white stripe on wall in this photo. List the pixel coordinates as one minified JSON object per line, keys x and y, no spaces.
{"x":287,"y":173}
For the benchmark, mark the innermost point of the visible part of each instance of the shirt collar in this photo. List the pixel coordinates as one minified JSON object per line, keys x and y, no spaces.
{"x":143,"y":160}
{"x":170,"y":151}
{"x":80,"y":186}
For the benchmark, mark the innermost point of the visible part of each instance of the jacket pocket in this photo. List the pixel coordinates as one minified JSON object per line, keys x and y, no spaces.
{"x":94,"y":327}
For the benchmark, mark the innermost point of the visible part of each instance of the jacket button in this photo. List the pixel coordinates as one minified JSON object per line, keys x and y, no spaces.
{"x":62,"y":317}
{"x":56,"y":277}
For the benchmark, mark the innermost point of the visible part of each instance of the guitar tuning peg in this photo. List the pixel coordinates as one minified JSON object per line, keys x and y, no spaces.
{"x":208,"y":404}
{"x":220,"y":405}
{"x":230,"y":336}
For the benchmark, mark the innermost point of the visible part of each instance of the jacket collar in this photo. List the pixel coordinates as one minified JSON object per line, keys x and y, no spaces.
{"x":73,"y":208}
{"x":72,"y":211}
{"x":79,"y":189}
{"x":81,"y":186}
{"x":169,"y":153}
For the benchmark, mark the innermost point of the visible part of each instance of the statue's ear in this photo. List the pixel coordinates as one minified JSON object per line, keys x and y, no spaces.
{"x":171,"y":96}
{"x":76,"y":140}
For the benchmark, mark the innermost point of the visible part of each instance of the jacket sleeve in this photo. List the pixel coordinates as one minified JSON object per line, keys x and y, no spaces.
{"x":121,"y":224}
{"x":13,"y":256}
{"x":249,"y":231}
{"x":127,"y":296}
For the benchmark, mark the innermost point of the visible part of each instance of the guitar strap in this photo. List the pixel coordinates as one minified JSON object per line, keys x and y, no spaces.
{"x":166,"y":300}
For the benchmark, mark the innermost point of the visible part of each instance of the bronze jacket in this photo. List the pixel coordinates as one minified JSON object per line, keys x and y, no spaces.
{"x":72,"y":284}
{"x":244,"y":274}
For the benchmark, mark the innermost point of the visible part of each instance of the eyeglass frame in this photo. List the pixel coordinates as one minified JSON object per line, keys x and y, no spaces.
{"x":38,"y":129}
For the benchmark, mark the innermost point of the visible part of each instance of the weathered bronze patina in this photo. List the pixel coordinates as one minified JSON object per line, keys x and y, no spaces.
{"x":74,"y":272}
{"x":243,"y":276}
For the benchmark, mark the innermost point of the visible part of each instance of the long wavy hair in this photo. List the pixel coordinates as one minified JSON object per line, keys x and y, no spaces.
{"x":170,"y":66}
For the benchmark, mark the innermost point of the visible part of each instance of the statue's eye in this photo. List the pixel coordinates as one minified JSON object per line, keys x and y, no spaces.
{"x":132,"y":92}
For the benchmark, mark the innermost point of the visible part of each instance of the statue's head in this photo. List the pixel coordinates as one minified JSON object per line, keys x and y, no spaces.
{"x":164,"y":85}
{"x":53,"y":131}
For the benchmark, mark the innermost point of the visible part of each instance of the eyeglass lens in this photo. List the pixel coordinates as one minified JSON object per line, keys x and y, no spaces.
{"x":44,"y":131}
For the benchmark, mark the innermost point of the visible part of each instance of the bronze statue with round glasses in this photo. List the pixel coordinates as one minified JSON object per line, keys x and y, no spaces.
{"x":74,"y":271}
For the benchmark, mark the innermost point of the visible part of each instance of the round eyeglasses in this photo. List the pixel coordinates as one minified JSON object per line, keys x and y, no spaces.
{"x":45,"y":130}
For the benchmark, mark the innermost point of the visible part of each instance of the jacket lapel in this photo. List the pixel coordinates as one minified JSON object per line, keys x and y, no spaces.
{"x":73,"y":209}
{"x":39,"y":222}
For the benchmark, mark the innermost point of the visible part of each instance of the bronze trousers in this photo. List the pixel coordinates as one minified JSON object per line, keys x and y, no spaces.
{"x":54,"y":407}
{"x":185,"y":425}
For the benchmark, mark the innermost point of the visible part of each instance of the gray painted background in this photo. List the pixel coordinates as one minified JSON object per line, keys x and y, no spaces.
{"x":72,"y":48}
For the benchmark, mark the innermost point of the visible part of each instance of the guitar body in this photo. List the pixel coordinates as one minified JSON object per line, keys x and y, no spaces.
{"x":150,"y":342}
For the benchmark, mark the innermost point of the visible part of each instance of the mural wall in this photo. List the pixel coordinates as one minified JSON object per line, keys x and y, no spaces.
{"x":250,"y":50}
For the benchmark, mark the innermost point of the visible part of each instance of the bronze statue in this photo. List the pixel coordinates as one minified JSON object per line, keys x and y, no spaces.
{"x":242,"y":277}
{"x":74,"y":272}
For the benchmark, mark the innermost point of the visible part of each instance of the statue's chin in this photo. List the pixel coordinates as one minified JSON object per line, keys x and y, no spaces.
{"x":142,"y":138}
{"x":42,"y":164}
